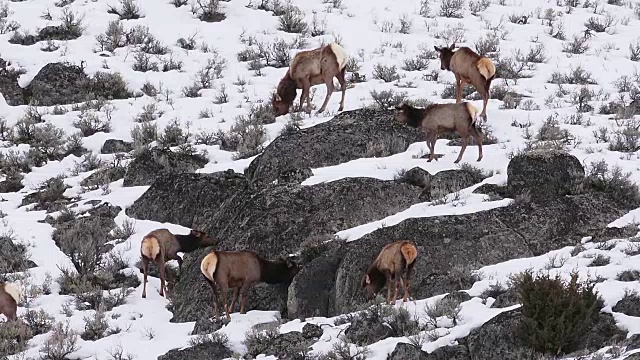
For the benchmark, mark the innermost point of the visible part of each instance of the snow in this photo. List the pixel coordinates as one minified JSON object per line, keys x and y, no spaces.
{"x":146,"y":331}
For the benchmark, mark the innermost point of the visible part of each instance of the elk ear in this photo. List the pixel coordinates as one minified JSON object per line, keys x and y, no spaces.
{"x":367,"y":280}
{"x":453,"y":46}
{"x":437,"y":48}
{"x":278,"y":98}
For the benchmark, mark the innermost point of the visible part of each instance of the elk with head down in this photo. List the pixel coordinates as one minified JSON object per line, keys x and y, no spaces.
{"x":309,"y":68}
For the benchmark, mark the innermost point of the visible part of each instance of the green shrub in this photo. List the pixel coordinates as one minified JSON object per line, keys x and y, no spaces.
{"x":555,"y":313}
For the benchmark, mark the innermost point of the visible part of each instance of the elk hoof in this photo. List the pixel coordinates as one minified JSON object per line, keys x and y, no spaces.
{"x":430,"y":159}
{"x":457,"y":161}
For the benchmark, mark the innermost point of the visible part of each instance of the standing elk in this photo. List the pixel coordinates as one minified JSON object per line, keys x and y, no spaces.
{"x":239,"y":270}
{"x":161,"y":245}
{"x":9,"y":299}
{"x":438,"y":118}
{"x":468,"y":68}
{"x":309,"y":68}
{"x":388,"y":267}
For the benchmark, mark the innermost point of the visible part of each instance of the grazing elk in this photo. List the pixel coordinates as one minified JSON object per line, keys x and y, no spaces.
{"x":468,"y":68}
{"x":161,"y":245}
{"x":239,"y":270}
{"x":9,"y":299}
{"x":438,"y":118}
{"x":309,"y":68}
{"x":388,"y":267}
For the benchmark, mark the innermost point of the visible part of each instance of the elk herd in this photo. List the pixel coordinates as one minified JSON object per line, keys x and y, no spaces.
{"x":239,"y":270}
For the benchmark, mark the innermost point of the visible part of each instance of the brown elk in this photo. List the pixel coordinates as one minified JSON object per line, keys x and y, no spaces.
{"x":388,"y":267}
{"x":309,"y":68}
{"x":9,"y":299}
{"x":468,"y":68}
{"x":161,"y":245}
{"x":239,"y":270}
{"x":439,"y":118}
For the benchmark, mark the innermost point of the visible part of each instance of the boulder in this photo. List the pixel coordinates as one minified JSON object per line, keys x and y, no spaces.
{"x":497,"y":339}
{"x":311,"y":331}
{"x":348,"y":136}
{"x":450,"y":181}
{"x":404,"y":351}
{"x":113,"y":146}
{"x":545,"y":173}
{"x":102,"y":176}
{"x":58,"y":84}
{"x":190,"y":194}
{"x":203,"y":351}
{"x":629,"y":305}
{"x":288,"y":346}
{"x":153,"y":163}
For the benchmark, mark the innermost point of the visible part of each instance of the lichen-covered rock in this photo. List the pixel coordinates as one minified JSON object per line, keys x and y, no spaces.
{"x":450,"y":181}
{"x":204,"y":351}
{"x":629,"y":305}
{"x":191,"y":195}
{"x":288,"y":346}
{"x":311,"y":331}
{"x":348,"y":136}
{"x":59,"y":83}
{"x":152,"y":164}
{"x":416,"y":176}
{"x":508,"y":298}
{"x":103,"y":176}
{"x":113,"y":146}
{"x":404,"y":351}
{"x":545,"y":173}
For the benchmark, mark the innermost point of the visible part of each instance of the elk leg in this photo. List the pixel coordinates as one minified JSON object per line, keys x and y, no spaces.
{"x":162,"y":279}
{"x":306,"y":86}
{"x":234,"y":298}
{"x":179,"y":259}
{"x":215,"y":296}
{"x":330,"y":89}
{"x":407,"y":282}
{"x":431,"y":143}
{"x":389,"y":285}
{"x":395,"y":285}
{"x":243,"y":297}
{"x":459,"y":86}
{"x":224,"y":292}
{"x":477,"y":136}
{"x":343,"y":86}
{"x":464,"y":146}
{"x":145,"y":270}
{"x":482,"y":86}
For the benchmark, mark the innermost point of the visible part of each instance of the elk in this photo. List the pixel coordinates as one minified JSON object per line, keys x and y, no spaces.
{"x":468,"y":68}
{"x":161,"y":245}
{"x":309,"y":68}
{"x":439,"y":118}
{"x":388,"y":267}
{"x":239,"y":270}
{"x":9,"y":299}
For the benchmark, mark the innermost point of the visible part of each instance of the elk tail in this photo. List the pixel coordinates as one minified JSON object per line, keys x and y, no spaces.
{"x":473,"y":112}
{"x":13,"y":291}
{"x":486,"y":68}
{"x":209,"y":264}
{"x":409,"y":252}
{"x":150,"y":247}
{"x":342,"y":57}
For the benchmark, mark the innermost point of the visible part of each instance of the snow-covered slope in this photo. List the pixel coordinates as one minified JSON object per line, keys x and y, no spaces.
{"x":375,"y":33}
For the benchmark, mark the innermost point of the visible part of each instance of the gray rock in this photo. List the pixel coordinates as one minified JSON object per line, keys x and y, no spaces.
{"x":191,"y":194}
{"x":204,"y":351}
{"x":9,"y":88}
{"x":506,"y":299}
{"x":496,"y":339}
{"x":545,"y":173}
{"x":288,"y":346}
{"x":206,"y":326}
{"x":102,"y":176}
{"x":458,"y":296}
{"x":58,"y":84}
{"x":632,"y":343}
{"x":348,"y":136}
{"x":416,"y":176}
{"x":152,"y":164}
{"x":496,"y":192}
{"x":629,"y":305}
{"x":450,"y":181}
{"x":311,"y":331}
{"x":635,"y":356}
{"x":295,"y":176}
{"x":112,"y":146}
{"x":404,"y":351}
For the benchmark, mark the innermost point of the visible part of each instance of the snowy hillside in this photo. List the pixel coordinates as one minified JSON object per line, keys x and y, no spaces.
{"x":198,"y":78}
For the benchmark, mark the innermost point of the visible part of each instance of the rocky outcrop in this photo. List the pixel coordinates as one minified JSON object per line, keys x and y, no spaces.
{"x":544,"y":174}
{"x":113,"y":146}
{"x":154,"y":163}
{"x":58,"y":83}
{"x":272,"y":221}
{"x":205,"y":351}
{"x":629,"y":305}
{"x":348,"y":136}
